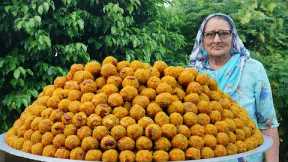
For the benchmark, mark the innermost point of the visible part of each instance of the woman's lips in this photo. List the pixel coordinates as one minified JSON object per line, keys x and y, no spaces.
{"x":217,"y":48}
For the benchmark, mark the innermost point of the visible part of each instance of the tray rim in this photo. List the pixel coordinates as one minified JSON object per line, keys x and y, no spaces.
{"x":7,"y":149}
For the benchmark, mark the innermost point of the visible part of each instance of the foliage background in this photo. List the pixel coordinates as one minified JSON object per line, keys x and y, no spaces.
{"x":41,"y":39}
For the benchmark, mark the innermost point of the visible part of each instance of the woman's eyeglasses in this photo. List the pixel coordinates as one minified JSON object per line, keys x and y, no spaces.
{"x":223,"y":34}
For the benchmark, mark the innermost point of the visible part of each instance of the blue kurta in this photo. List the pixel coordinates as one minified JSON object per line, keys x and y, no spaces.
{"x":253,"y":93}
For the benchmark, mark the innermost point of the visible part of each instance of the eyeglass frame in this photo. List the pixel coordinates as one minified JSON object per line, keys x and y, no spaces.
{"x":219,"y":35}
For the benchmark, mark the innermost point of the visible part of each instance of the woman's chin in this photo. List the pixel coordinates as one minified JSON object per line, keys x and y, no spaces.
{"x":218,"y":54}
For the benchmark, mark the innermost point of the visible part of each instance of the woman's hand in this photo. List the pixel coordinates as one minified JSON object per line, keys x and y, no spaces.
{"x":272,"y":155}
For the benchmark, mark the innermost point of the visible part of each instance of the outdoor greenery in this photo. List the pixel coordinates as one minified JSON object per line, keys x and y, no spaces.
{"x":41,"y":39}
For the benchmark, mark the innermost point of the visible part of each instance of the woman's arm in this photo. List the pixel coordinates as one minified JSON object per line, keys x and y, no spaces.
{"x":265,"y":112}
{"x":272,"y":155}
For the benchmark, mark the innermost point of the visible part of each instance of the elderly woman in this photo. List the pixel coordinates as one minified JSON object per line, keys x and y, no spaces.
{"x":219,"y":52}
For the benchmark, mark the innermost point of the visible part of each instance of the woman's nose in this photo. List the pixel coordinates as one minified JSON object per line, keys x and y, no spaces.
{"x":216,"y":38}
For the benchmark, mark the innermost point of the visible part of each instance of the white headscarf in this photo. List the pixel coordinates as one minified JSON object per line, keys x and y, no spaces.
{"x":199,"y":54}
{"x":228,"y":77}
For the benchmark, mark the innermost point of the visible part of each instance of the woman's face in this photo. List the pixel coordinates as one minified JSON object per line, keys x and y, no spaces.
{"x":217,"y":39}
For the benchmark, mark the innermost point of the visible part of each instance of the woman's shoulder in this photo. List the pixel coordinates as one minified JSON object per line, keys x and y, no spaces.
{"x":254,"y":65}
{"x":254,"y":70}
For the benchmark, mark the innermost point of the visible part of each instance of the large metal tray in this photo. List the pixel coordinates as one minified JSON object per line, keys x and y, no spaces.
{"x":6,"y":148}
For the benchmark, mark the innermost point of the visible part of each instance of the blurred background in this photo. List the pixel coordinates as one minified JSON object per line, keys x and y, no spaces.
{"x":41,"y":39}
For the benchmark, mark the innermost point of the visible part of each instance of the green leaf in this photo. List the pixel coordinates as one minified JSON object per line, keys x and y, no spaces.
{"x":16,"y":73}
{"x":24,"y":102}
{"x":33,"y":92}
{"x":45,"y":6}
{"x":1,"y":63}
{"x":245,"y":19}
{"x":113,"y":30}
{"x":7,"y":8}
{"x":40,"y":10}
{"x":22,"y":70}
{"x":261,"y":37}
{"x":130,"y":9}
{"x":19,"y":24}
{"x":271,"y":6}
{"x":37,"y":19}
{"x":17,"y":83}
{"x":30,"y":72}
{"x":97,"y":45}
